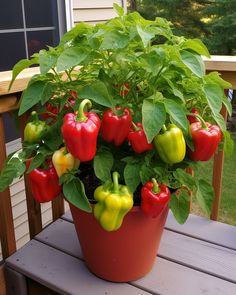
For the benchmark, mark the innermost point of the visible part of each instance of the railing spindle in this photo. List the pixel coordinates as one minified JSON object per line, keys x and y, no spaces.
{"x":7,"y":233}
{"x":33,"y":207}
{"x":217,"y":176}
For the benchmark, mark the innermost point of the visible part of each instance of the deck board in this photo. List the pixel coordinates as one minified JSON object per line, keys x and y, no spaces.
{"x":186,"y":265}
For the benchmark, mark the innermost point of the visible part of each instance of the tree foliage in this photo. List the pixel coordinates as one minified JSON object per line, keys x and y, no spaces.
{"x":213,"y":21}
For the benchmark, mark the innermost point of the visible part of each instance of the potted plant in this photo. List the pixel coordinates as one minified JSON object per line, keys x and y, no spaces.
{"x":120,"y":112}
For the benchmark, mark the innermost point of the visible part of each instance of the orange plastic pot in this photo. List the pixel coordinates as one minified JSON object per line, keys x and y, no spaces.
{"x":123,"y":255}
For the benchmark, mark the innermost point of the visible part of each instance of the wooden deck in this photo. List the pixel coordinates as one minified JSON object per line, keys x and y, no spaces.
{"x":196,"y":258}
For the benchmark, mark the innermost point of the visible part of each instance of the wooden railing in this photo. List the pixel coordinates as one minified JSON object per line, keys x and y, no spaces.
{"x":9,"y":101}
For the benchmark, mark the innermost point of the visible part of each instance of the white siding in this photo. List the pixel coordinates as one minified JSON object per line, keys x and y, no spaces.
{"x":94,"y":11}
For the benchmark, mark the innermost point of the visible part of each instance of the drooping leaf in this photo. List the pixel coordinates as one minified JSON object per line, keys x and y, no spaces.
{"x":146,"y":173}
{"x":102,"y":164}
{"x":154,"y":116}
{"x":52,"y":137}
{"x":31,"y":96}
{"x":47,"y":60}
{"x":197,"y":46}
{"x":132,"y":176}
{"x":214,"y":94}
{"x":48,"y":90}
{"x":184,"y":178}
{"x":20,"y":66}
{"x":214,"y":78}
{"x":205,"y":196}
{"x":228,"y":143}
{"x":97,"y":92}
{"x":14,"y":168}
{"x":193,"y":62}
{"x":177,"y":114}
{"x":180,"y":205}
{"x":75,"y":193}
{"x":228,"y":105}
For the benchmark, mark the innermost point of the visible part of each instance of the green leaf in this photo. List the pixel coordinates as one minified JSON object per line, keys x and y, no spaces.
{"x":97,"y":92}
{"x":102,"y":164}
{"x":184,"y":178}
{"x":220,"y":121}
{"x":119,"y":9}
{"x":214,"y":78}
{"x":75,"y":193}
{"x":197,"y":46}
{"x":80,"y":29}
{"x":194,"y":62}
{"x":154,"y":116}
{"x":20,"y":66}
{"x":132,"y":176}
{"x":214,"y":95}
{"x":177,"y":113}
{"x":47,"y":60}
{"x":180,"y":205}
{"x":70,"y":57}
{"x":228,"y":105}
{"x":145,"y":35}
{"x":38,"y":160}
{"x":31,"y":96}
{"x":52,"y":137}
{"x":146,"y":173}
{"x":205,"y":196}
{"x":114,"y":40}
{"x":228,"y":143}
{"x":48,"y":90}
{"x":14,"y":168}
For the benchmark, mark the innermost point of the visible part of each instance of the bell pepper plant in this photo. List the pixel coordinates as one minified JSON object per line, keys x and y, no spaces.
{"x":92,"y":86}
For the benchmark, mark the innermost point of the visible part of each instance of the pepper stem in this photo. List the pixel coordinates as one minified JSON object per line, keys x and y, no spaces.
{"x":204,"y":126}
{"x":81,"y":116}
{"x":155,"y":188}
{"x":115,"y":176}
{"x":136,"y":128}
{"x":35,"y":117}
{"x":164,"y":129}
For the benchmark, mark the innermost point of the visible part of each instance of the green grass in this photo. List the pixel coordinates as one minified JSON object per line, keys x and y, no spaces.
{"x":228,"y":197}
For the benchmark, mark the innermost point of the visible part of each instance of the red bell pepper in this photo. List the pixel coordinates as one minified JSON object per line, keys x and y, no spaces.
{"x":116,"y":126}
{"x":80,"y":131}
{"x":44,"y":183}
{"x":154,"y":198}
{"x":193,"y":119}
{"x":205,"y":140}
{"x":138,"y":139}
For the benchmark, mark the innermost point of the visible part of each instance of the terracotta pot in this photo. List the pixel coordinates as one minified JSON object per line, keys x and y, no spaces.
{"x":123,"y":255}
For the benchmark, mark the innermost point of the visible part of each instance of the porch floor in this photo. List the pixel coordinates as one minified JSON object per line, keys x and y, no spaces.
{"x":196,"y":258}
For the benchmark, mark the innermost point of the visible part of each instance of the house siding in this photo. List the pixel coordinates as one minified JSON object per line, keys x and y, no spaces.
{"x":94,"y":11}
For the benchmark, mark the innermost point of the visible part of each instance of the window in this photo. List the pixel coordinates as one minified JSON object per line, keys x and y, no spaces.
{"x":26,"y":26}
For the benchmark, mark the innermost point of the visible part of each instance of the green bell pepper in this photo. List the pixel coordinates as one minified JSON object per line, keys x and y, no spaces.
{"x":34,"y":129}
{"x":113,"y":203}
{"x":170,"y":144}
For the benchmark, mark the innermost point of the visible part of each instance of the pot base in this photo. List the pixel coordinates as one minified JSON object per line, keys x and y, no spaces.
{"x":123,"y":255}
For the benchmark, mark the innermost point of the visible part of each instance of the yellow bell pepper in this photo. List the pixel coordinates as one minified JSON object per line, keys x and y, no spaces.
{"x":113,"y":204}
{"x":64,"y":161}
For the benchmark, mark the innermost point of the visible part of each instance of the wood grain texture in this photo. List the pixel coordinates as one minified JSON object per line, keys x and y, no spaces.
{"x":58,"y":208}
{"x":2,"y":281}
{"x":63,"y":273}
{"x":9,"y":103}
{"x":204,"y":229}
{"x":206,"y":257}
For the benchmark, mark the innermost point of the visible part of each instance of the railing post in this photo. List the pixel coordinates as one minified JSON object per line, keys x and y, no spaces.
{"x":7,"y":233}
{"x":217,"y":176}
{"x":58,"y":208}
{"x":33,"y":207}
